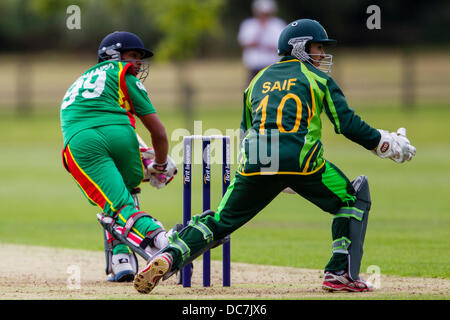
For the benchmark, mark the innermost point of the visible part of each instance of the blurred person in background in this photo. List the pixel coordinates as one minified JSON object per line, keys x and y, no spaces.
{"x":258,"y":36}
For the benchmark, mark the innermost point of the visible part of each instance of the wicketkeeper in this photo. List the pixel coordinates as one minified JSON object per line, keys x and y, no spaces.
{"x":281,"y":116}
{"x":102,"y":153}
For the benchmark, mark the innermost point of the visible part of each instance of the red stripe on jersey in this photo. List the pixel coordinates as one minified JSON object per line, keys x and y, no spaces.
{"x":92,"y":191}
{"x":123,"y":86}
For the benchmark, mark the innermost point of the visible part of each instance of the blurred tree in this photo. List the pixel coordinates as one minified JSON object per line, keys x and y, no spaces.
{"x":41,"y":24}
{"x":31,"y":25}
{"x":183,"y":26}
{"x":184,"y":29}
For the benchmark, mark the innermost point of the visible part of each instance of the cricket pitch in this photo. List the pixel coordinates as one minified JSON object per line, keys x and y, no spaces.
{"x":42,"y":273}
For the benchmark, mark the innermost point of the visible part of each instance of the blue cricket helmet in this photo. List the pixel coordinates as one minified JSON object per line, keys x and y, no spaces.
{"x":120,"y":41}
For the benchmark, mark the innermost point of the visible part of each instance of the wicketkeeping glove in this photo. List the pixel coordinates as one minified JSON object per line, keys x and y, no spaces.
{"x":395,"y":146}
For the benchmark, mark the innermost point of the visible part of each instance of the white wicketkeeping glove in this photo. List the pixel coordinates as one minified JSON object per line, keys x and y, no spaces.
{"x":395,"y":146}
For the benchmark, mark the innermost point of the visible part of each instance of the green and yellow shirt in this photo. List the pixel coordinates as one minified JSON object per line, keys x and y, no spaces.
{"x":106,"y":94}
{"x":281,"y":118}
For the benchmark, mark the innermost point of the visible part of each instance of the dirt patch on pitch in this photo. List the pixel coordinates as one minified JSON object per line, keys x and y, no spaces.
{"x":47,"y":273}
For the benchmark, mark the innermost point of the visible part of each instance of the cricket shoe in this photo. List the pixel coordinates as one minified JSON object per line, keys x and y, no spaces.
{"x":122,"y":271}
{"x":333,"y":282}
{"x":148,"y":278}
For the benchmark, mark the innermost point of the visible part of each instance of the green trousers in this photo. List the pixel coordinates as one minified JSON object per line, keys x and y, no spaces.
{"x":106,"y":164}
{"x":328,"y":188}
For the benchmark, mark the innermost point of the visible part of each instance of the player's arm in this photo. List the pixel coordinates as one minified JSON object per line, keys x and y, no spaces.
{"x":147,"y":114}
{"x":246,"y":122}
{"x":392,"y":145}
{"x":158,"y":136}
{"x":345,"y":120}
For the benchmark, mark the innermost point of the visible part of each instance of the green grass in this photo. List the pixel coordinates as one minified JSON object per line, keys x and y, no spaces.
{"x":409,"y":224}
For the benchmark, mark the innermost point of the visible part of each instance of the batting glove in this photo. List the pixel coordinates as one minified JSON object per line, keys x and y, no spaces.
{"x":148,"y":156}
{"x":157,"y":178}
{"x":169,"y":168}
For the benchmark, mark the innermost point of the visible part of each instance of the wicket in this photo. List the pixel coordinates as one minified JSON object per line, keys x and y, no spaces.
{"x":187,"y":180}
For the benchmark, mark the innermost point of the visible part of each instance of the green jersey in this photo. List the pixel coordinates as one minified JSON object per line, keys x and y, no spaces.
{"x":281,"y":119}
{"x":106,"y":94}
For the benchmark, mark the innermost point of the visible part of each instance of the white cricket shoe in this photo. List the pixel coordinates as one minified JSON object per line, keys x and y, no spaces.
{"x":122,"y":271}
{"x":149,"y":277}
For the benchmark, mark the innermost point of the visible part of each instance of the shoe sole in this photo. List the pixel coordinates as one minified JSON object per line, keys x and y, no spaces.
{"x":332,"y":287}
{"x":148,"y":278}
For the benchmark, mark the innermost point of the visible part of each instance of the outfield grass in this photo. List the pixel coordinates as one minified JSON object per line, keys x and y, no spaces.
{"x":409,"y":224}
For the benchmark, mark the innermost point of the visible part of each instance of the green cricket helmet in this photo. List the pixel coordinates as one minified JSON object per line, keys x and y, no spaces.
{"x":298,"y":35}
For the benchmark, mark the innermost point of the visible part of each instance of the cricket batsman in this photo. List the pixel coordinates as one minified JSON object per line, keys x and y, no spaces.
{"x":281,"y":114}
{"x":101,"y":149}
